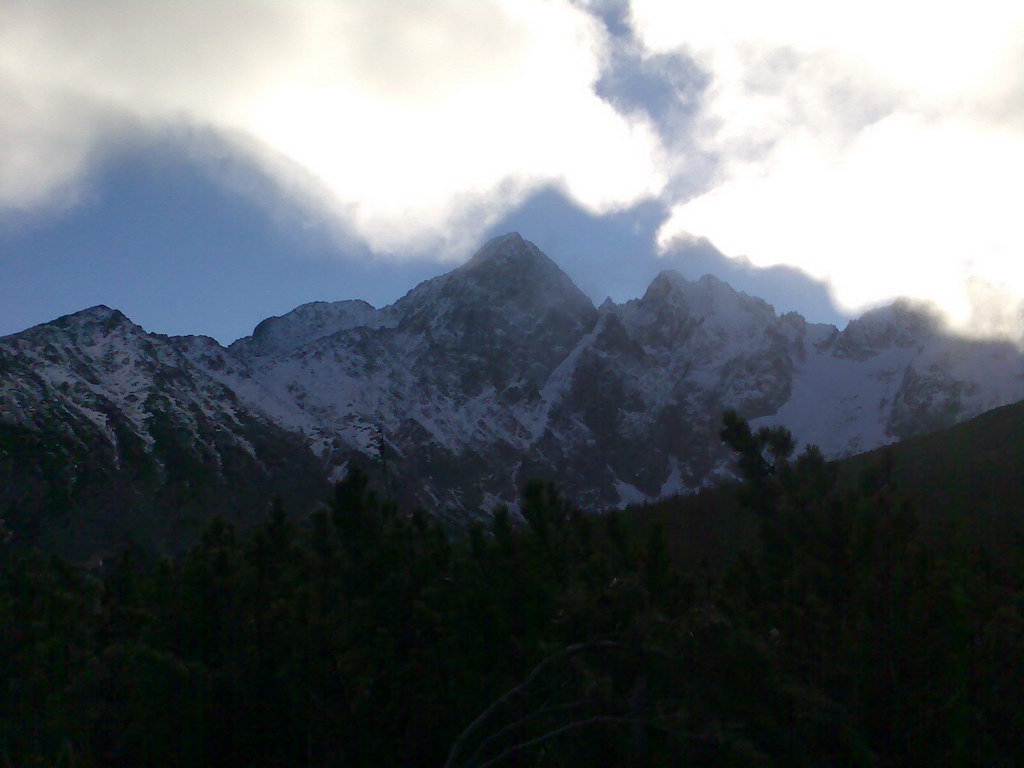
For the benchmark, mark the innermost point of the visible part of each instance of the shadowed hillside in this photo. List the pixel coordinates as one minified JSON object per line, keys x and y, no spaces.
{"x":977,"y":466}
{"x":969,"y":477}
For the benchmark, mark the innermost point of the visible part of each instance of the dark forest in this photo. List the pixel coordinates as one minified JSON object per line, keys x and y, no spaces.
{"x":818,"y":614}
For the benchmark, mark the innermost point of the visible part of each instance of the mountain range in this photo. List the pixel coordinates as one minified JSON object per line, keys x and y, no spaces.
{"x":453,"y":396}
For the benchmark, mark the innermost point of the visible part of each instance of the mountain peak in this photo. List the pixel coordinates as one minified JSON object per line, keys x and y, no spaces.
{"x":903,"y":323}
{"x":86,"y":325}
{"x":670,"y":279}
{"x":510,"y":267}
{"x":97,"y":312}
{"x":506,"y":268}
{"x":670,"y":284}
{"x":709,"y":300}
{"x":100,"y":314}
{"x":309,"y":322}
{"x":508,"y":284}
{"x":666,"y":281}
{"x":511,"y":239}
{"x":510,"y":250}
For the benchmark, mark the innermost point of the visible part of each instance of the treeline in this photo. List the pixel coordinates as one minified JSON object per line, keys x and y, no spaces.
{"x":362,"y":636}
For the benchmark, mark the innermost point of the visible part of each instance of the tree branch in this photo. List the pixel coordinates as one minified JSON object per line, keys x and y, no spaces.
{"x":534,"y":716}
{"x":569,"y":651}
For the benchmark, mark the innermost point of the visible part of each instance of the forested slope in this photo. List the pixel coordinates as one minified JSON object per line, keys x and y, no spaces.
{"x":833,"y":633}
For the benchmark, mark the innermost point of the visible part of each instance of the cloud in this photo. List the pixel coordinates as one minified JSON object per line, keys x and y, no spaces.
{"x":878,"y":146}
{"x":415,"y":124}
{"x":39,"y":157}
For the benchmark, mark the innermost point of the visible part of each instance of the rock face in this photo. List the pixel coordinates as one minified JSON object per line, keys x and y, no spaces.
{"x":476,"y":380}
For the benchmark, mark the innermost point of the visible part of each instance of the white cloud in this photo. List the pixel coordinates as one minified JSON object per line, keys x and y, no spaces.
{"x":39,"y":156}
{"x":877,"y":145}
{"x":399,"y":117}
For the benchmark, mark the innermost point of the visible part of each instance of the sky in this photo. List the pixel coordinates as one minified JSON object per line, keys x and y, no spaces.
{"x":202,"y":165}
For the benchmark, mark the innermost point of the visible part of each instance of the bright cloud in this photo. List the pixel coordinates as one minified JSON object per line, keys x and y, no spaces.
{"x":878,"y":146}
{"x":415,"y":123}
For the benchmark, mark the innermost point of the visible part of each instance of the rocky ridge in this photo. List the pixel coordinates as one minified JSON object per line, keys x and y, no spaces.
{"x":497,"y":371}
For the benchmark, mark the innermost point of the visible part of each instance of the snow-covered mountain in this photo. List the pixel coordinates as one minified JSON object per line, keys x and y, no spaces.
{"x":495,"y":372}
{"x":110,"y":434}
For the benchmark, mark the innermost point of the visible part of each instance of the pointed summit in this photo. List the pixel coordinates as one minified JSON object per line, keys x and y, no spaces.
{"x":496,"y":247}
{"x":98,"y":313}
{"x":509,"y":304}
{"x":511,"y":251}
{"x":666,"y":283}
{"x":98,"y":318}
{"x":511,"y":270}
{"x":509,"y":275}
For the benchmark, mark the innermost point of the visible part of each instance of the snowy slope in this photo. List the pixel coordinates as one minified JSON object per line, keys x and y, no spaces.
{"x":891,"y":374}
{"x":114,"y":435}
{"x":97,"y":366}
